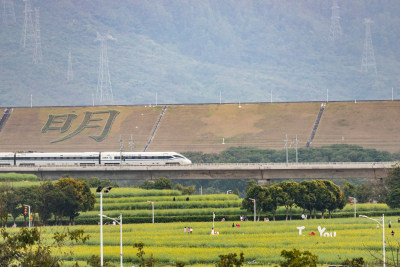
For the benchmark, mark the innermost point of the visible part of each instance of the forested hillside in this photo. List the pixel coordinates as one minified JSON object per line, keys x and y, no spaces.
{"x":195,"y":51}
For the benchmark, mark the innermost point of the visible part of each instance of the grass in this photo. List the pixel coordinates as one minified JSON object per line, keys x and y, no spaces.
{"x":261,"y":242}
{"x":211,"y":128}
{"x":367,"y":124}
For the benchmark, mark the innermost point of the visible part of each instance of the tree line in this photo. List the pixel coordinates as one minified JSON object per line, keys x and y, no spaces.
{"x":313,"y":196}
{"x":333,"y":153}
{"x":64,"y":198}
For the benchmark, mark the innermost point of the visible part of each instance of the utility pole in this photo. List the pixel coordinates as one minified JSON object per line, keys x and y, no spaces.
{"x":335,"y":30}
{"x":121,"y":147}
{"x":37,"y":52}
{"x":131,"y":143}
{"x":287,"y":152}
{"x":104,"y":93}
{"x":368,"y":57}
{"x":297,"y":157}
{"x":327,"y":95}
{"x":271,"y":97}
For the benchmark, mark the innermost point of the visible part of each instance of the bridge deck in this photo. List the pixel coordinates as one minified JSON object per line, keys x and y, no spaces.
{"x":369,"y":170}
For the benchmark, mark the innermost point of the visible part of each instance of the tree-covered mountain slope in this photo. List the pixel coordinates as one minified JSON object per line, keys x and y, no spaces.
{"x":199,"y":51}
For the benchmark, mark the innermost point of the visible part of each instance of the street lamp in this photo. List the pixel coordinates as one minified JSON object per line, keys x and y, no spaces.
{"x":383,"y":227}
{"x":152,"y":207}
{"x":29,"y":214}
{"x":254,"y":201}
{"x":120,"y":227}
{"x":354,"y":200}
{"x":229,"y":192}
{"x":99,"y":190}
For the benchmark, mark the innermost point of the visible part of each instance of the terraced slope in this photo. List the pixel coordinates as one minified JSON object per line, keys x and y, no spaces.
{"x":24,"y":129}
{"x":213,"y":128}
{"x":368,"y":124}
{"x":206,"y":128}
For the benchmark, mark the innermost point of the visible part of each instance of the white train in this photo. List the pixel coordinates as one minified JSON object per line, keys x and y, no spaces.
{"x":92,"y":158}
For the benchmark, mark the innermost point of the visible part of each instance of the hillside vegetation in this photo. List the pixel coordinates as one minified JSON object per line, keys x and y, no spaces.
{"x":191,"y":51}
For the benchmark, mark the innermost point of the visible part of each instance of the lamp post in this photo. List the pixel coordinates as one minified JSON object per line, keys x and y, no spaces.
{"x":99,"y":190}
{"x":355,"y":205}
{"x":229,"y":192}
{"x":152,"y":208}
{"x":29,"y":214}
{"x":254,"y":201}
{"x":120,"y":227}
{"x":383,"y":230}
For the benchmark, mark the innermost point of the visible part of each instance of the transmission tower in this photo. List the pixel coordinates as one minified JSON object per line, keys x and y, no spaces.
{"x":28,"y":34}
{"x":70,"y":74}
{"x":368,"y":57}
{"x":37,"y":52}
{"x":8,"y":14}
{"x":336,"y":29}
{"x":104,"y":94}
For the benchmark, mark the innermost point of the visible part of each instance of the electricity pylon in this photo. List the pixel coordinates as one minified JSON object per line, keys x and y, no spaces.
{"x":70,"y":74}
{"x":37,"y":52}
{"x":368,"y":57}
{"x":8,"y":14}
{"x":336,"y":29}
{"x":104,"y":94}
{"x":28,"y":34}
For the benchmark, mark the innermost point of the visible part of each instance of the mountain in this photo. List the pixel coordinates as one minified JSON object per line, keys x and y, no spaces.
{"x":187,"y":51}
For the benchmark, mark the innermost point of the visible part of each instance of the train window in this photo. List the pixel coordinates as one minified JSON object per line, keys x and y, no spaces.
{"x":117,"y":157}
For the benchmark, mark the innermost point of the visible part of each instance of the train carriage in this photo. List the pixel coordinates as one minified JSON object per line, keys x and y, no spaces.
{"x":7,"y":159}
{"x":143,"y":158}
{"x":58,"y":159}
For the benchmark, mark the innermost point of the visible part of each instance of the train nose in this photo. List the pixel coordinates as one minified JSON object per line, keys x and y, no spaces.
{"x":188,"y":161}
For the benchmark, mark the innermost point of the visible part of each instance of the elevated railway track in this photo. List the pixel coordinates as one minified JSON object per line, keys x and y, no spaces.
{"x":258,"y":171}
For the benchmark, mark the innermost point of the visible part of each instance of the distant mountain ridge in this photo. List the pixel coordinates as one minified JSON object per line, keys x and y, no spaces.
{"x":201,"y":52}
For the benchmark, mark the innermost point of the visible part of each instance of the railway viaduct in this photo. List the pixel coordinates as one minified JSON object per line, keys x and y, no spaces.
{"x":262,"y":172}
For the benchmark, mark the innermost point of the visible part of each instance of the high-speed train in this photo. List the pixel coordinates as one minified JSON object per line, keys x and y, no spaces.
{"x":92,"y":158}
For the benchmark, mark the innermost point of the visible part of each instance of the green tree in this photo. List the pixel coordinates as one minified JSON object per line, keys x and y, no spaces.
{"x":274,"y":199}
{"x":4,"y":210}
{"x":290,"y":192}
{"x":50,"y":199}
{"x":338,"y":200}
{"x":258,"y":193}
{"x":349,"y":189}
{"x":364,"y":193}
{"x":296,"y":258}
{"x":323,"y":197}
{"x":142,"y":261}
{"x":163,"y":183}
{"x":230,"y":260}
{"x":147,"y":185}
{"x":15,"y":207}
{"x":26,"y":247}
{"x":95,"y":261}
{"x":78,"y":197}
{"x":393,"y":199}
{"x":307,"y":196}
